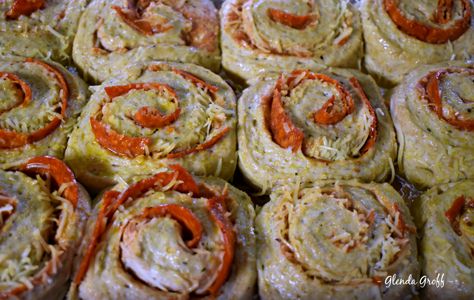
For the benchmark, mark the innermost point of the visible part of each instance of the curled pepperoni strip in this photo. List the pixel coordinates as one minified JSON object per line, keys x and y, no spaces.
{"x":427,"y":33}
{"x":185,"y":183}
{"x":11,"y":139}
{"x":373,"y":126}
{"x":459,"y":206}
{"x":120,"y":90}
{"x":24,"y":8}
{"x":118,"y":143}
{"x":290,"y":20}
{"x":150,"y":117}
{"x":218,"y":211}
{"x":59,"y":172}
{"x":330,"y":113}
{"x":24,"y":92}
{"x":429,"y":87}
{"x":287,"y":135}
{"x":147,"y":117}
{"x":455,"y":209}
{"x":183,"y":215}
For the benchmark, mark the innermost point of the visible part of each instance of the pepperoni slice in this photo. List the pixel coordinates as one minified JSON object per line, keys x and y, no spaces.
{"x":186,"y":185}
{"x":24,"y":92}
{"x":120,"y":90}
{"x":24,"y":8}
{"x":290,"y":20}
{"x":455,"y":210}
{"x":11,"y":139}
{"x":373,"y":133}
{"x":117,"y":143}
{"x":431,"y":93}
{"x":330,"y":113}
{"x":459,"y":206}
{"x":59,"y":172}
{"x":148,"y":117}
{"x":218,"y":211}
{"x":285,"y":133}
{"x":427,"y":33}
{"x":183,"y":215}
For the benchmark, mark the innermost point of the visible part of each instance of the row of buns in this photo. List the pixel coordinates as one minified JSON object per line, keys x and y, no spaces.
{"x":172,"y":235}
{"x":388,"y":38}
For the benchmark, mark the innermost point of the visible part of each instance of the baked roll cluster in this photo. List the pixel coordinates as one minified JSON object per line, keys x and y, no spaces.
{"x":158,"y":136}
{"x":433,"y":113}
{"x":335,"y":240}
{"x":40,"y":102}
{"x":401,"y":35}
{"x":314,"y":125}
{"x":445,"y":215}
{"x":39,"y":28}
{"x":164,"y":113}
{"x":43,"y":211}
{"x":113,"y":34}
{"x":262,"y":36}
{"x":169,"y":236}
